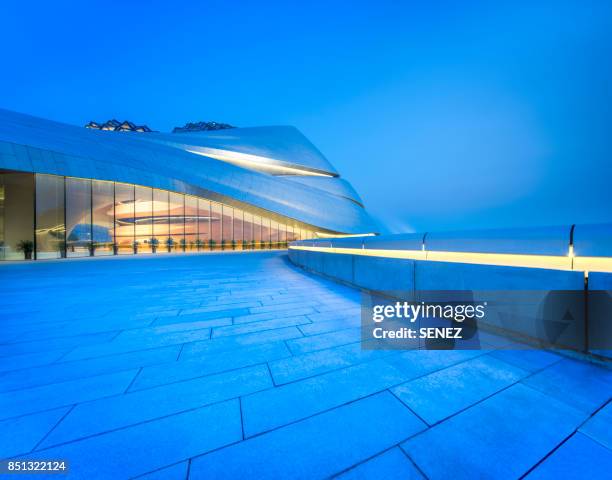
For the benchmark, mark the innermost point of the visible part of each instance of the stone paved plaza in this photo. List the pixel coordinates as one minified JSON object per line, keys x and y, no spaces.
{"x":239,"y":365}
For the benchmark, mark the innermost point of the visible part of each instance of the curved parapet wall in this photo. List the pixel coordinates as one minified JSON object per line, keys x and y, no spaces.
{"x":251,"y":168}
{"x":540,"y":261}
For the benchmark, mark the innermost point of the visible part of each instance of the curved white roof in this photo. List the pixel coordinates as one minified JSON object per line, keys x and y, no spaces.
{"x":276,"y":169}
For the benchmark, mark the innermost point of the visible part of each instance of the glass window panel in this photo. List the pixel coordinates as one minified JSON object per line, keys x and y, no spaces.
{"x":291,"y":233}
{"x":227,"y":230}
{"x":265,"y":232}
{"x":191,"y":223}
{"x":50,"y":227}
{"x":161,"y":226}
{"x":257,"y":230}
{"x":143,"y":224}
{"x":78,"y":217}
{"x":282,"y":233}
{"x":16,"y":216}
{"x":176,"y":211}
{"x":204,"y":225}
{"x":124,"y":218}
{"x":273,"y":234}
{"x":102,"y":228}
{"x":247,"y":231}
{"x":215,"y":226}
{"x":237,"y":243}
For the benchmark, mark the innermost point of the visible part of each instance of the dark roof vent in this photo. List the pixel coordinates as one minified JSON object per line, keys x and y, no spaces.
{"x":202,"y":127}
{"x":115,"y":126}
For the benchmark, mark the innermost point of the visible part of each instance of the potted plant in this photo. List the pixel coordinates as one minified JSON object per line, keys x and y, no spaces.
{"x":169,"y":243}
{"x":154,"y":242}
{"x":198,"y":244}
{"x":234,"y":244}
{"x":27,"y":247}
{"x":135,"y":246}
{"x":211,"y":244}
{"x":183,"y":244}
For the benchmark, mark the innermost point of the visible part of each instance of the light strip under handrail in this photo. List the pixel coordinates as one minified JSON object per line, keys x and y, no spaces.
{"x":555,"y":262}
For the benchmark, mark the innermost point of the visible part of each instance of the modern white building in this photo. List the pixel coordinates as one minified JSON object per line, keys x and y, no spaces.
{"x":68,"y":191}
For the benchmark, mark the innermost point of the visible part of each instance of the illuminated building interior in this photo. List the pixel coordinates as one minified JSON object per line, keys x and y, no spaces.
{"x":76,"y":217}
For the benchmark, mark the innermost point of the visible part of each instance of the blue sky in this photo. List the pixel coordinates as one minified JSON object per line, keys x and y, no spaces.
{"x":443,"y":115}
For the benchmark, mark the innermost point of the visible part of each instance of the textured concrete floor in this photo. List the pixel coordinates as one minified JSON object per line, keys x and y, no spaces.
{"x":242,"y":366}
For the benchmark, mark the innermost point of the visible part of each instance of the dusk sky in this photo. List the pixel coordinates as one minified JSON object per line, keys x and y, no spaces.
{"x":443,"y":115}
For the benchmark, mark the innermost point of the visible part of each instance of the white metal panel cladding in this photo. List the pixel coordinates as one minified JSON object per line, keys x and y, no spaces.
{"x":158,"y":160}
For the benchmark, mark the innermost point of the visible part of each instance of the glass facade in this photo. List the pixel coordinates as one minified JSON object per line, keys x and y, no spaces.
{"x":204,"y":224}
{"x":16,"y":216}
{"x":227,"y":227}
{"x":78,"y":217}
{"x":215,"y":225}
{"x":103,"y":217}
{"x":50,"y":213}
{"x":247,"y":232}
{"x":176,"y":222}
{"x":273,"y":233}
{"x":49,"y":216}
{"x":265,"y":232}
{"x":191,"y":224}
{"x":161,"y":222}
{"x":257,"y":231}
{"x":238,"y":231}
{"x":143,"y":218}
{"x":124,"y":219}
{"x":291,"y":233}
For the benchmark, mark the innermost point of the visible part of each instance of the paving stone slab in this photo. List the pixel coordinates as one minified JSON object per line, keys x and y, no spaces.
{"x":316,"y":447}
